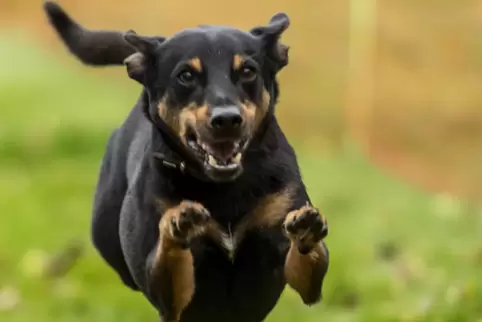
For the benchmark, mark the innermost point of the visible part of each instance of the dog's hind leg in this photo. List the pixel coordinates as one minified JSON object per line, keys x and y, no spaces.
{"x":170,"y":265}
{"x":109,"y":196}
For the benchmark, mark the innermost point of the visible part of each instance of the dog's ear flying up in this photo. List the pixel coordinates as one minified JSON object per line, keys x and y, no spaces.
{"x":101,"y":47}
{"x":145,"y":47}
{"x":270,"y":36}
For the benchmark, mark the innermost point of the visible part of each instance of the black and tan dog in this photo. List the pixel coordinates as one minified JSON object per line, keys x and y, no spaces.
{"x":200,"y":204}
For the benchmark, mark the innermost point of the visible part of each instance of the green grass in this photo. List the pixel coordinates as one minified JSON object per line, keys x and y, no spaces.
{"x":397,"y":254}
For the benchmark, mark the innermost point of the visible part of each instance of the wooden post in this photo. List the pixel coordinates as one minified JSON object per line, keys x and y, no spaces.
{"x":361,"y":70}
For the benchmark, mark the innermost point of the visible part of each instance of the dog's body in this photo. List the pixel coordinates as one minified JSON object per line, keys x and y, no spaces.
{"x":200,"y":248}
{"x":241,"y":290}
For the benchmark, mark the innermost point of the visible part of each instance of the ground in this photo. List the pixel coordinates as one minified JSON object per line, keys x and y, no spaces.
{"x":398,"y":253}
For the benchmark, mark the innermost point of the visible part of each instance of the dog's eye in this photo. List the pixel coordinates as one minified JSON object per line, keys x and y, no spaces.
{"x":187,"y":78}
{"x":247,"y":74}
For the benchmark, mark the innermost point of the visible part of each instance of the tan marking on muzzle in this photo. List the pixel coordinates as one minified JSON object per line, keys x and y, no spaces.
{"x":255,"y":113}
{"x":192,"y":116}
{"x":180,"y":119}
{"x":237,"y":62}
{"x":169,"y":116}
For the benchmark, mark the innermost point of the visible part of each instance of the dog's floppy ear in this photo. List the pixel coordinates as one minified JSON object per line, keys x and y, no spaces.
{"x":143,"y":44}
{"x":270,"y":36}
{"x":136,"y":63}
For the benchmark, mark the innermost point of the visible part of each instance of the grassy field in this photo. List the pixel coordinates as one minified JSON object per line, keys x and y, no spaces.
{"x":398,"y":254}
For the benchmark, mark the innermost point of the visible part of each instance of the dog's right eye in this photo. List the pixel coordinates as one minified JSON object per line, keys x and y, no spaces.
{"x":247,"y":74}
{"x":187,"y":78}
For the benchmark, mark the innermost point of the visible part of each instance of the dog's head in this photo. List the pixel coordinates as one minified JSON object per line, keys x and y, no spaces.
{"x":211,"y":86}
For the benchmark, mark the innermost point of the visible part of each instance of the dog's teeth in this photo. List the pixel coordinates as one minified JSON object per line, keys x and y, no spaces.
{"x":206,"y":148}
{"x":212,"y":161}
{"x":231,"y":166}
{"x":237,"y":158}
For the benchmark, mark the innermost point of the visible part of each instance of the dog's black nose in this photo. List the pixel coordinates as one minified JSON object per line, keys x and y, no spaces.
{"x":226,"y":118}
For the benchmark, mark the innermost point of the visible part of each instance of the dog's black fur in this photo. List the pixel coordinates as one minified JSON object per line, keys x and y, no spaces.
{"x":257,"y":231}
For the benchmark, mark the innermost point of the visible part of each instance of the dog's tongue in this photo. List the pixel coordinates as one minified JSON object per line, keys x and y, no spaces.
{"x":222,"y":151}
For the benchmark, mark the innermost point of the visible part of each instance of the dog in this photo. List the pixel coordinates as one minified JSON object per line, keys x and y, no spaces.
{"x":199,"y":203}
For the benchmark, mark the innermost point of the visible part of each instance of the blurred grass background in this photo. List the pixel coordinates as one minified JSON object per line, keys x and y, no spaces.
{"x":381,"y":100}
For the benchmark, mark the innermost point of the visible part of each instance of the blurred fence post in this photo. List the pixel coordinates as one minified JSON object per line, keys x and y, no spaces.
{"x":361,"y":70}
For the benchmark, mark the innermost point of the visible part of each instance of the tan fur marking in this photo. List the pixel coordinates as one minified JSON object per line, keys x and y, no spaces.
{"x":249,"y":112}
{"x":173,"y":214}
{"x":178,"y":264}
{"x":307,"y":236}
{"x":170,"y":117}
{"x":195,"y":63}
{"x":174,"y":262}
{"x":272,"y":209}
{"x":162,"y":110}
{"x":179,"y":120}
{"x":304,"y":271}
{"x":202,"y":114}
{"x":255,"y":114}
{"x":264,"y":107}
{"x":300,"y":270}
{"x":297,"y":212}
{"x":237,"y":62}
{"x":269,"y":212}
{"x":191,"y":116}
{"x":186,"y":118}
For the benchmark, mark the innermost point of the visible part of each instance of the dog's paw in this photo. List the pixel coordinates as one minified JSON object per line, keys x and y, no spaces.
{"x":186,"y":221}
{"x":305,"y":227}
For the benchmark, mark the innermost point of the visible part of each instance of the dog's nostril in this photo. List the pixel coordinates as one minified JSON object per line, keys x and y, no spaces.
{"x":217,"y":122}
{"x":236,"y":121}
{"x":227,"y":119}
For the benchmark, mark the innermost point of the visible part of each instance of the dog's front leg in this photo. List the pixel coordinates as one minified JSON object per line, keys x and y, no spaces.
{"x":307,"y":259}
{"x":170,"y":269}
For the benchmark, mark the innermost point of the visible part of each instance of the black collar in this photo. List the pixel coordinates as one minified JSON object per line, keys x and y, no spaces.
{"x":183,"y":161}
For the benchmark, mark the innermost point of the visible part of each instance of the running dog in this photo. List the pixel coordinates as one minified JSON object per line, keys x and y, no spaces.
{"x":200,"y":204}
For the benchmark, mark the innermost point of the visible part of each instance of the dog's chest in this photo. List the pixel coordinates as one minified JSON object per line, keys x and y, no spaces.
{"x":242,"y":289}
{"x":240,"y":209}
{"x":230,"y":225}
{"x":233,"y":222}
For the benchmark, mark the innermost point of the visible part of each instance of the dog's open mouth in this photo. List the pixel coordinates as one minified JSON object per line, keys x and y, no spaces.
{"x":222,"y":155}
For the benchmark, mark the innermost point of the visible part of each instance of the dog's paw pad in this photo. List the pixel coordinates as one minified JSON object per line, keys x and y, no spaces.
{"x":306,"y":227}
{"x":189,"y":220}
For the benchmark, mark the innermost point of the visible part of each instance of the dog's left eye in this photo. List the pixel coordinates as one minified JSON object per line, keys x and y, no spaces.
{"x":187,"y":78}
{"x":247,"y":74}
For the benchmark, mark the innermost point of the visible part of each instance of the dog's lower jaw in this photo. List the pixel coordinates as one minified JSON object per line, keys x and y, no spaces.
{"x":223,"y":176}
{"x":218,"y":169}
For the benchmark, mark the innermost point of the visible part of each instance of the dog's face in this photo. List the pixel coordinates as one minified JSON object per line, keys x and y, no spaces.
{"x":210,"y":85}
